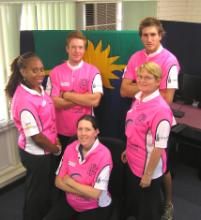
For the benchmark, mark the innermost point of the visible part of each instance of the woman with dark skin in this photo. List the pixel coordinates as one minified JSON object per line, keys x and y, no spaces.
{"x":33,"y":114}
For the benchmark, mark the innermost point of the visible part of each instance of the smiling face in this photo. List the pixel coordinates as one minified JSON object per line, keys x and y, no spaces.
{"x":147,"y":83}
{"x":33,"y":73}
{"x":86,"y":134}
{"x":75,"y":50}
{"x":151,"y":39}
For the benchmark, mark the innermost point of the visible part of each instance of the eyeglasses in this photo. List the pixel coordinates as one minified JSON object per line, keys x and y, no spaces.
{"x":146,"y":78}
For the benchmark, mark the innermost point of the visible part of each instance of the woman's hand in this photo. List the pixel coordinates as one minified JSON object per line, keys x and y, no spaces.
{"x":145,"y":181}
{"x":123,"y":157}
{"x":58,"y":142}
{"x":67,"y":180}
{"x":43,"y":142}
{"x":59,"y":147}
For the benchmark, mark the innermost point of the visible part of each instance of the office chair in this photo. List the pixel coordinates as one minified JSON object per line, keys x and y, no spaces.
{"x":117,"y":177}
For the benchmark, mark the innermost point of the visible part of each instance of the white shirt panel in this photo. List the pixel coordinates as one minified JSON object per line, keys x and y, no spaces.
{"x":102,"y":184}
{"x":97,"y":85}
{"x":125,"y":69}
{"x":103,"y":179}
{"x":162,"y":134}
{"x":172,"y":82}
{"x":29,"y":124}
{"x":48,"y":86}
{"x":33,"y":148}
{"x":104,"y":199}
{"x":150,"y":147}
{"x":158,"y":170}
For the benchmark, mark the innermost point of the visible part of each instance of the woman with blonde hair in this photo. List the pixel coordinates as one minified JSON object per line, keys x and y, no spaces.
{"x":148,"y":125}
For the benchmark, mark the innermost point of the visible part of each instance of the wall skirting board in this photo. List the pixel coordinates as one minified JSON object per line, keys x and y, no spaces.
{"x":11,"y":168}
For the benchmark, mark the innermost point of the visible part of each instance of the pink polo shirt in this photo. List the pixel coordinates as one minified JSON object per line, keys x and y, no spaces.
{"x":164,"y":58}
{"x":148,"y":125}
{"x":93,"y":170}
{"x":83,"y":79}
{"x":33,"y":113}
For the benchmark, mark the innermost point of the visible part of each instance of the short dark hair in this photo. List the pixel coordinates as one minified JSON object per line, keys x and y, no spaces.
{"x":151,"y":21}
{"x":89,"y":118}
{"x":75,"y":35}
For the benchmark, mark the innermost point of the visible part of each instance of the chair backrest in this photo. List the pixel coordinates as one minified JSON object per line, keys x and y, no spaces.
{"x":117,"y":177}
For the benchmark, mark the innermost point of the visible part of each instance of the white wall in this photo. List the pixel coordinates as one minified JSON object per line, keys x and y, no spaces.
{"x":10,"y":167}
{"x":135,"y":11}
{"x":175,"y":10}
{"x":179,"y":10}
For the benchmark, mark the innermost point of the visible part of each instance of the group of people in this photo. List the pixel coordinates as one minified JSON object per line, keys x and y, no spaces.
{"x":48,"y":120}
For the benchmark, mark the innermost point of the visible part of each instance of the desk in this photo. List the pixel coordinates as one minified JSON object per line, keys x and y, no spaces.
{"x":190,"y":136}
{"x":192,"y":115}
{"x":189,"y":139}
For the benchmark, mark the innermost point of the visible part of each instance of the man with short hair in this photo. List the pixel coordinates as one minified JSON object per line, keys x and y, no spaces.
{"x":75,"y":87}
{"x":151,"y":33}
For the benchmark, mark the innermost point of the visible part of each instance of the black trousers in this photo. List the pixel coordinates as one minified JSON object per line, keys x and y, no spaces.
{"x":63,"y":211}
{"x":171,"y":154}
{"x":64,"y":140}
{"x":142,"y":203}
{"x":39,"y":185}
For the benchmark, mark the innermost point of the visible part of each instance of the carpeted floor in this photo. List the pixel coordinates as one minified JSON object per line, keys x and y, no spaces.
{"x":187,"y":196}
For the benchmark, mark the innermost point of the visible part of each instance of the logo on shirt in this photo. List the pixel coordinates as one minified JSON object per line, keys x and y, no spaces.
{"x":102,"y":180}
{"x":44,"y":103}
{"x":92,"y":169}
{"x":28,"y":125}
{"x":169,"y":79}
{"x":128,"y":122}
{"x":75,"y":175}
{"x":71,"y":163}
{"x":65,"y":84}
{"x":159,"y":138}
{"x":134,"y":147}
{"x":140,"y":119}
{"x":84,"y":84}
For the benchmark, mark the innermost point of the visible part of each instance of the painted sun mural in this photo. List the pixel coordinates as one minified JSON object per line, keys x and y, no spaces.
{"x":100,"y":58}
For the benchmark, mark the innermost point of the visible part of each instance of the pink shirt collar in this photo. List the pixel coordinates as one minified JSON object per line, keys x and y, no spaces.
{"x":32,"y":91}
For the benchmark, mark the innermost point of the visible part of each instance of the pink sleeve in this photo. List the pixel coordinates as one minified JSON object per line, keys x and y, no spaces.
{"x":63,"y":166}
{"x":170,"y":69}
{"x":29,"y":116}
{"x":55,"y":83}
{"x":129,"y":72}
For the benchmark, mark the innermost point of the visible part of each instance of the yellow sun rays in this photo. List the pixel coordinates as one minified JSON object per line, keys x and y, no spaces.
{"x":100,"y":58}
